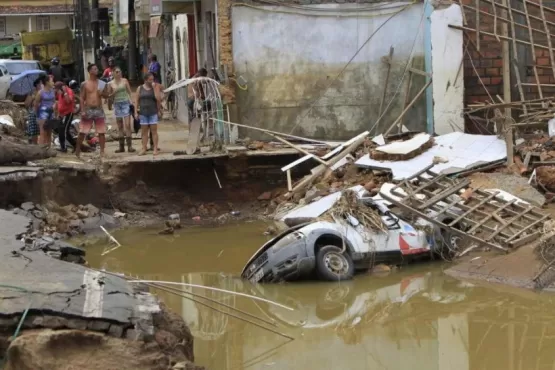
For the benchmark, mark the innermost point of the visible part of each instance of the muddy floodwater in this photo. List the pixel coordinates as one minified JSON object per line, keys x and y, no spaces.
{"x":416,"y":318}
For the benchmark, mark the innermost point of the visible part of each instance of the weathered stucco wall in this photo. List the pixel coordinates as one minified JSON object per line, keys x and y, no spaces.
{"x":290,"y":56}
{"x":448,"y":75}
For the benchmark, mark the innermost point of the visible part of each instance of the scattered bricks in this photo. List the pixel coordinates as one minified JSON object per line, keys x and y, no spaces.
{"x":135,"y":335}
{"x":96,"y":325}
{"x":53,"y":322}
{"x":77,"y":324}
{"x":115,"y":331}
{"x":521,"y":167}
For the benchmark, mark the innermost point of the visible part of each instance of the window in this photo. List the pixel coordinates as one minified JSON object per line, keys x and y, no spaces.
{"x":2,"y":25}
{"x":3,"y":71}
{"x":43,"y":23}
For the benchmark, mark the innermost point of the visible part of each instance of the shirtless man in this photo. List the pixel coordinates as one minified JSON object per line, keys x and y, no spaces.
{"x":92,"y":93}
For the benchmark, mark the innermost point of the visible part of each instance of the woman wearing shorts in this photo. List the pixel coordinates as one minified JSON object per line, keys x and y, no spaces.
{"x":32,"y":125}
{"x":121,"y":93}
{"x":44,"y":106}
{"x":149,"y":107}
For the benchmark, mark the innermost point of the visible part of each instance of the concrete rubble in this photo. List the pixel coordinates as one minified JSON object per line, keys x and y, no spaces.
{"x":381,"y":162}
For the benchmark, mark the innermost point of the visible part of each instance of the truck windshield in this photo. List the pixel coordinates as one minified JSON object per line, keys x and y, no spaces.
{"x":16,"y":68}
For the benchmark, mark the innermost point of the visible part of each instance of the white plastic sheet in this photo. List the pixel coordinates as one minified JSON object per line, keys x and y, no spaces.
{"x":462,"y":151}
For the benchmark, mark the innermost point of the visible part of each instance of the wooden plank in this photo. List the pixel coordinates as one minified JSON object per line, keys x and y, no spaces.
{"x":548,"y":35}
{"x":480,"y":204}
{"x":506,"y":73}
{"x":444,"y":194}
{"x":478,"y":25}
{"x":491,"y":215}
{"x":297,"y":148}
{"x":389,"y":62}
{"x":289,"y":181}
{"x":447,"y":207}
{"x":525,"y":240}
{"x":527,"y":228}
{"x":439,"y":224}
{"x":473,"y":222}
{"x":194,"y":136}
{"x":414,"y":100}
{"x":494,"y":9}
{"x":499,"y":230}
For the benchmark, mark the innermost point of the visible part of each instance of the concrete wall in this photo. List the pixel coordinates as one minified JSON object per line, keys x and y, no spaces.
{"x":181,"y":62}
{"x":289,"y":59}
{"x":448,"y":77}
{"x":180,"y":26}
{"x":16,"y":24}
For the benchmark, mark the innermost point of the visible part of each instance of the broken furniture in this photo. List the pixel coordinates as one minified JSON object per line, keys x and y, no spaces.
{"x":493,"y":219}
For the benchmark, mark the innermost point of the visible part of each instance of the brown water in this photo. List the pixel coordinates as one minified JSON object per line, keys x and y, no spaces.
{"x":414,"y":319}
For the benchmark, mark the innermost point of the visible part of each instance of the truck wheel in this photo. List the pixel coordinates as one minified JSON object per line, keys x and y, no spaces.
{"x":332,"y":265}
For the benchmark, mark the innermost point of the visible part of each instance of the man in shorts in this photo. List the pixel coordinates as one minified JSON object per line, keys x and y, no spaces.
{"x":92,"y":92}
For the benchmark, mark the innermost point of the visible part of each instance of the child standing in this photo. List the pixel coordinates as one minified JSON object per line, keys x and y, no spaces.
{"x":32,"y":124}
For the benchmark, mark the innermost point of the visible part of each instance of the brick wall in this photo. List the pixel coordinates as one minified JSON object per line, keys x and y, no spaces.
{"x":488,"y":62}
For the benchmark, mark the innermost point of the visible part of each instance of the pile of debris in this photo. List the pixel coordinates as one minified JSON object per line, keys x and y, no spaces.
{"x":350,"y":206}
{"x":49,"y":224}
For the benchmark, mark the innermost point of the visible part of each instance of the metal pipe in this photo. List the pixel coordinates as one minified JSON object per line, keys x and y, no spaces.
{"x":232,"y":315}
{"x":215,"y":289}
{"x":177,"y":291}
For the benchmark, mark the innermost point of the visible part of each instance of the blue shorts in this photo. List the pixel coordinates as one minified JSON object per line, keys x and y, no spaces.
{"x":148,"y":120}
{"x":121,"y":109}
{"x":44,"y":113}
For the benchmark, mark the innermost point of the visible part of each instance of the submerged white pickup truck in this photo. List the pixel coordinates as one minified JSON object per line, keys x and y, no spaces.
{"x":334,"y":251}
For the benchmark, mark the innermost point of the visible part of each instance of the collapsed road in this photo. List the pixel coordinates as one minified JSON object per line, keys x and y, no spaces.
{"x":39,"y":292}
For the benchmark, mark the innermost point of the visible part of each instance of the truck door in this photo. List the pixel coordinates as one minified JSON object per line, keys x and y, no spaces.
{"x":5,"y":80}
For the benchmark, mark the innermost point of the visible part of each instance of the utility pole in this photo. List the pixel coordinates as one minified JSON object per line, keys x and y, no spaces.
{"x":96,"y":30}
{"x":132,"y":43}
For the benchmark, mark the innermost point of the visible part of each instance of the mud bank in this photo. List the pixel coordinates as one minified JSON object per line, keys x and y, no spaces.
{"x":56,"y":314}
{"x":210,"y":189}
{"x":49,"y":343}
{"x":517,"y":269}
{"x":48,"y":289}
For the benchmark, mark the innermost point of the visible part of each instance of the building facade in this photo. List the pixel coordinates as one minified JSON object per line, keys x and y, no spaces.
{"x":17,"y":19}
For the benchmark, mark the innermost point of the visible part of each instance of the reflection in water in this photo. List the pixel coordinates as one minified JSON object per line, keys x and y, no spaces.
{"x":415,"y":319}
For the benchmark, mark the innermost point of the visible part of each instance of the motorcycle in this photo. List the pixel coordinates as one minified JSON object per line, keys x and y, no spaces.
{"x":90,"y":142}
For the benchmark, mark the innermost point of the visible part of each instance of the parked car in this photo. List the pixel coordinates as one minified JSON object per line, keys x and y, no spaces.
{"x":315,"y":249}
{"x":10,"y":68}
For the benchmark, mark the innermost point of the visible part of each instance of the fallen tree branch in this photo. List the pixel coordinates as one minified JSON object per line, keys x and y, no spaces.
{"x":14,"y":152}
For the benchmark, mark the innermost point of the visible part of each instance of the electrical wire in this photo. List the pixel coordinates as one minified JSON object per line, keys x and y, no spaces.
{"x":23,"y":317}
{"x":346,"y":65}
{"x":407,"y":66}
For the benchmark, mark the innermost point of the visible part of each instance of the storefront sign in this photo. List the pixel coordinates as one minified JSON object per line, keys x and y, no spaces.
{"x":155,"y":7}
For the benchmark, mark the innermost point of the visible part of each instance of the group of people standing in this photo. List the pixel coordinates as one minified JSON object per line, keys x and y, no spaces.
{"x":53,"y":104}
{"x":50,"y":104}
